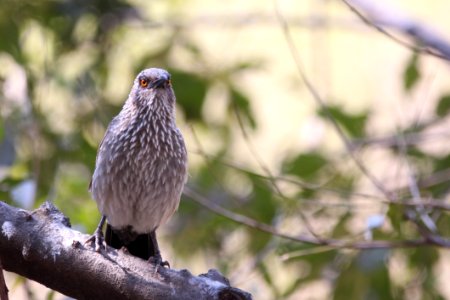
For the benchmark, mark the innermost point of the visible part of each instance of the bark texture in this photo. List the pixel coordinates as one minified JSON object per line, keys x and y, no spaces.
{"x":41,"y":246}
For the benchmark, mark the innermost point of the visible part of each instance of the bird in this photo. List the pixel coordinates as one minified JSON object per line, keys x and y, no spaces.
{"x":140,"y":169}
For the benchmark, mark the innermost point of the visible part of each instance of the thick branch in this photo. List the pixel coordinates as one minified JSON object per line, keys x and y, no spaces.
{"x":40,"y":245}
{"x":381,"y":14}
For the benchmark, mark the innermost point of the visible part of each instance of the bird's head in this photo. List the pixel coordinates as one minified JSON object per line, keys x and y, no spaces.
{"x":152,"y":88}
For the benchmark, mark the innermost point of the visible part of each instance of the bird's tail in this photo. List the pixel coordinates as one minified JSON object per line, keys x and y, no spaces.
{"x":142,"y":246}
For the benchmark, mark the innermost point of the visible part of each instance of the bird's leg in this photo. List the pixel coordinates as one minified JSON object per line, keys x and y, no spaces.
{"x":156,"y":259}
{"x":97,"y":238}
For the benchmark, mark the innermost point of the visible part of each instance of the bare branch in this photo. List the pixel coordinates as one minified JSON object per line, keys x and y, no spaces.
{"x":393,"y":141}
{"x":321,"y":103}
{"x":432,"y":240}
{"x":433,"y":179}
{"x":248,"y":19}
{"x":266,"y":170}
{"x":429,"y":204}
{"x":39,"y":245}
{"x":381,"y":14}
{"x":414,"y":191}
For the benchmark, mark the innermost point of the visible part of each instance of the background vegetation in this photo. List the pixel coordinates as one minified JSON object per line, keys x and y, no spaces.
{"x":259,"y":144}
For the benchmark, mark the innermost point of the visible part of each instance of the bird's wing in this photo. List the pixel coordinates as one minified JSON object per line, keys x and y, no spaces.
{"x":108,"y":132}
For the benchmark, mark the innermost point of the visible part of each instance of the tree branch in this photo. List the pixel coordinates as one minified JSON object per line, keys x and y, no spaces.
{"x":426,"y":241}
{"x":378,"y":14}
{"x":41,"y":246}
{"x":323,"y":105}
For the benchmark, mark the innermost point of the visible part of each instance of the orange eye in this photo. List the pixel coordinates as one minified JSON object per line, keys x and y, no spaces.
{"x":143,"y":83}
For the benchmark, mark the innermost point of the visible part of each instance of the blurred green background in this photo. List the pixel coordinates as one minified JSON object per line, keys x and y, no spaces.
{"x":258,"y":143}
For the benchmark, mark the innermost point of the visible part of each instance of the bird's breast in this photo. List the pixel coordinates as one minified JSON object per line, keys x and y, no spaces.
{"x":140,"y":175}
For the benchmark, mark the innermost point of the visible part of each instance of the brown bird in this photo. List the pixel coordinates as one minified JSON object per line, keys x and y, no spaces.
{"x":141,"y":168}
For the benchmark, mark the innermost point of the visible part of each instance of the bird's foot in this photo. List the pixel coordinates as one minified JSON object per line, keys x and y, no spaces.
{"x":96,"y":240}
{"x":158,"y":262}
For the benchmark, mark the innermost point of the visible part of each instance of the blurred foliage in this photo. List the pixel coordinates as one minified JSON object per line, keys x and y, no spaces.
{"x":443,"y":107}
{"x":66,"y":69}
{"x":305,"y":165}
{"x":412,"y":74}
{"x":354,"y":124}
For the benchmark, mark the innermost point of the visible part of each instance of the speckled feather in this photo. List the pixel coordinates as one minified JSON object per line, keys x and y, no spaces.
{"x":141,"y":164}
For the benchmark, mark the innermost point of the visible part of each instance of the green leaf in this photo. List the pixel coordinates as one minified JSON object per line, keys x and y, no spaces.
{"x":266,"y":275}
{"x":190,"y":90}
{"x":396,"y":217}
{"x":246,"y":65}
{"x":411,"y":75}
{"x":423,"y":257}
{"x":366,"y":277}
{"x":262,"y":206}
{"x":242,"y":103}
{"x":440,"y":165}
{"x":9,"y":29}
{"x":354,"y":124}
{"x":305,"y":165}
{"x":203,"y":229}
{"x":341,"y":227}
{"x":443,"y":107}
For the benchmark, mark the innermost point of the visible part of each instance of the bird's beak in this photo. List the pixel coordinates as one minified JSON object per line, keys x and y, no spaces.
{"x":160,"y":83}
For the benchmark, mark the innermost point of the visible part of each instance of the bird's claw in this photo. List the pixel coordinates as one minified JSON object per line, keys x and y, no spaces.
{"x":96,"y":240}
{"x":158,"y":262}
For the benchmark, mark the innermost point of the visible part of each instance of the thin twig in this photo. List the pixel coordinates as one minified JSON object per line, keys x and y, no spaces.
{"x":207,"y":160}
{"x":305,"y":252}
{"x":244,"y":19}
{"x":392,"y":140}
{"x":302,"y":184}
{"x":294,"y":52}
{"x":266,"y":169}
{"x":380,"y":29}
{"x":430,"y":203}
{"x":312,"y":90}
{"x":336,"y":243}
{"x":415,"y":193}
